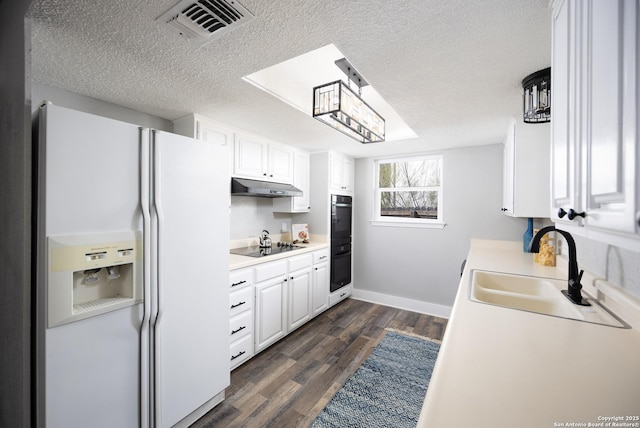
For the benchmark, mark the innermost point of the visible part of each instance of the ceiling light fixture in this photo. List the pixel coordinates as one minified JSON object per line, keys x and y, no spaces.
{"x":536,"y":100}
{"x":337,"y":105}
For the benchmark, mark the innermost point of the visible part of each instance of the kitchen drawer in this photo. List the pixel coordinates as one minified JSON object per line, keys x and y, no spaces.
{"x":299,"y":262}
{"x":270,"y":270}
{"x":240,"y":301}
{"x":320,"y":256}
{"x":241,"y":350}
{"x":240,"y":278}
{"x":240,"y":325}
{"x":340,"y":294}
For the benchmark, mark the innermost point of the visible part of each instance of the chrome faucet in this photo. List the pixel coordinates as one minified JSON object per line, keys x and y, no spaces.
{"x":573,"y":290}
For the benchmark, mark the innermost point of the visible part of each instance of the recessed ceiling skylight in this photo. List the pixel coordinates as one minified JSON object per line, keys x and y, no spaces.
{"x":292,"y":82}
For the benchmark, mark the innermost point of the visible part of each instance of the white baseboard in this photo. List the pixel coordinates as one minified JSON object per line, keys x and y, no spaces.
{"x":427,"y":308}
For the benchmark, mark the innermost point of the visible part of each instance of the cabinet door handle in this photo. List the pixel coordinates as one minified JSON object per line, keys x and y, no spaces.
{"x":237,"y":283}
{"x":503,"y":209}
{"x":237,"y":304}
{"x":561,"y":213}
{"x":238,"y":330}
{"x":239,"y":354}
{"x":573,"y":214}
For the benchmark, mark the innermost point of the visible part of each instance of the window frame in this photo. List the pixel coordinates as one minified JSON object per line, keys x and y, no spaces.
{"x":379,"y":220}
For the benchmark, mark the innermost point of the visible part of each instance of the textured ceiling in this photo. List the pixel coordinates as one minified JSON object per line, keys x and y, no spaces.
{"x":451,"y":69}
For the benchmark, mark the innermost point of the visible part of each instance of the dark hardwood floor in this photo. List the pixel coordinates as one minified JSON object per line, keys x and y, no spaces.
{"x":289,"y":383}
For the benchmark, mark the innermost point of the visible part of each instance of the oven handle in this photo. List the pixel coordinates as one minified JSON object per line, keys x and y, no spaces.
{"x":342,"y":254}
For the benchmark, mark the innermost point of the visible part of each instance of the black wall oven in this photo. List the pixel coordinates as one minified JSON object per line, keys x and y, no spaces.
{"x":341,"y":211}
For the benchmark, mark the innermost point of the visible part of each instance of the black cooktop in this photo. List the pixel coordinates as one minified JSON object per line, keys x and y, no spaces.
{"x":256,"y":251}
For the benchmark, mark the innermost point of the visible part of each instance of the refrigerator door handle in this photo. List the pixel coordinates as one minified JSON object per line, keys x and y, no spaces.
{"x":145,"y":375}
{"x":157,"y":213}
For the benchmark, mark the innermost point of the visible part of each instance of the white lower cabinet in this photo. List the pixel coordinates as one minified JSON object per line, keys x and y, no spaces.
{"x":320,"y":282}
{"x":299,"y":287}
{"x":340,"y":295}
{"x":272,"y":299}
{"x":270,"y":314}
{"x":241,"y":316}
{"x":241,"y":325}
{"x":241,"y":351}
{"x":299,"y":299}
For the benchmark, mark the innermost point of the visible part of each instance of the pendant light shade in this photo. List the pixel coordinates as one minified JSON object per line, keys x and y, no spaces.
{"x":338,"y":106}
{"x":536,"y":100}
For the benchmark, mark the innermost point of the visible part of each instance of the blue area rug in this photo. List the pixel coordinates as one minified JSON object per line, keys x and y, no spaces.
{"x":387,"y":390}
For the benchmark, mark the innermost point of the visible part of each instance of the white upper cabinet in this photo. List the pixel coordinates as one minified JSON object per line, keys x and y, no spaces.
{"x":281,"y":163}
{"x":508,"y":169}
{"x":526,"y":170}
{"x":205,"y":129}
{"x":258,"y":159}
{"x":595,"y":119}
{"x":250,"y":158}
{"x":301,"y":180}
{"x":565,"y":147}
{"x":610,"y":133}
{"x":341,"y":174}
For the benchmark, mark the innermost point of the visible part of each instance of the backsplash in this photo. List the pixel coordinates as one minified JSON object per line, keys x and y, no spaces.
{"x":250,"y":215}
{"x":617,"y":265}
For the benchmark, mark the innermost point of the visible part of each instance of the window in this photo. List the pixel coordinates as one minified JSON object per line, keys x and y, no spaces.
{"x":409,"y":191}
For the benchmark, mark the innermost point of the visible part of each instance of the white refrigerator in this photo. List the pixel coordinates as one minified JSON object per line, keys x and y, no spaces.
{"x":132,"y":274}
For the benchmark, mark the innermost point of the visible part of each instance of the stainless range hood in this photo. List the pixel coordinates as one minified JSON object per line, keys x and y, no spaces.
{"x":266,"y":189}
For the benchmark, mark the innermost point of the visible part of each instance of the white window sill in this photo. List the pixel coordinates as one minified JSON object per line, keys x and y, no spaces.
{"x":421,"y":225}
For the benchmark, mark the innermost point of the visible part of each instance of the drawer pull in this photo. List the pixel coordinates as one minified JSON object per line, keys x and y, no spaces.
{"x":235,"y":284}
{"x":239,"y":354}
{"x":573,"y":214}
{"x":322,"y":257}
{"x":237,"y":304}
{"x":239,"y":329}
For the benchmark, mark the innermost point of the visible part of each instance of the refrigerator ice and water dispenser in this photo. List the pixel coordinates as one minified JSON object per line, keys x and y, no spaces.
{"x":92,"y":274}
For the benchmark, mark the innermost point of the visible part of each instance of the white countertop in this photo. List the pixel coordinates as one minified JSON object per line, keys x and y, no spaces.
{"x":500,"y":367}
{"x":238,"y":262}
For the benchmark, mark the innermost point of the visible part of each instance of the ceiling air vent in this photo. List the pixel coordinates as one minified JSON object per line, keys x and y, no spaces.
{"x":205,"y":20}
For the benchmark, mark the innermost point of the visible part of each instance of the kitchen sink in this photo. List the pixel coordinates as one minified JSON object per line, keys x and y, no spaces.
{"x":537,"y":295}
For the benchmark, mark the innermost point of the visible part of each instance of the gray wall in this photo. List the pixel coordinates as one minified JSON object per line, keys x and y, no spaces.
{"x":15,"y":215}
{"x":424,"y":264}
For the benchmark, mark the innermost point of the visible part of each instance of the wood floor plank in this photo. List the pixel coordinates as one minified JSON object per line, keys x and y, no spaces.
{"x":289,"y":383}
